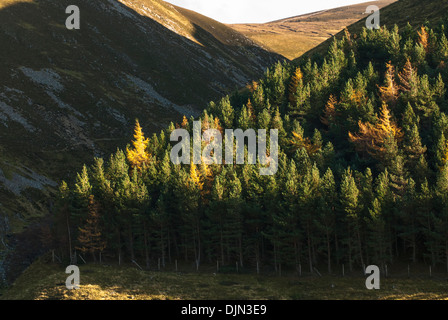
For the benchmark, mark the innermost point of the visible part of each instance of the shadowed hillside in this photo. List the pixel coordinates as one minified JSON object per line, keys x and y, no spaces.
{"x":68,"y":95}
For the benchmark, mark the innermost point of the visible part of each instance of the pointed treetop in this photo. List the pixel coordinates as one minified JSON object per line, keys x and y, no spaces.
{"x":138,"y":156}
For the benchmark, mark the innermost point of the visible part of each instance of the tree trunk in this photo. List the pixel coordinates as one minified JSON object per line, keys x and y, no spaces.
{"x":162,"y":246}
{"x":69,"y":239}
{"x":241,"y":250}
{"x":222,"y":248}
{"x":414,"y":245}
{"x":119,"y":248}
{"x":145,"y":238}
{"x":131,"y":243}
{"x":359,"y":243}
{"x":199,"y":243}
{"x":328,"y":252}
{"x":309,"y":254}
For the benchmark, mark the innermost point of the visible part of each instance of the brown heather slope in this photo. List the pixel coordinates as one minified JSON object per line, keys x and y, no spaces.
{"x":294,"y":36}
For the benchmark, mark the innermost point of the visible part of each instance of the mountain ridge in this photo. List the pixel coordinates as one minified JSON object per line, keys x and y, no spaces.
{"x":295,"y":35}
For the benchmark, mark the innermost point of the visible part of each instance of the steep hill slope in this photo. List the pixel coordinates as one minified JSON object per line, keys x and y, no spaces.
{"x":294,"y":36}
{"x":66,"y":95}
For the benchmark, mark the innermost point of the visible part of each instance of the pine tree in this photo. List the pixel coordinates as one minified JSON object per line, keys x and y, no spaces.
{"x":350,"y":207}
{"x":409,"y":226}
{"x":326,"y":211}
{"x":412,"y":147}
{"x":426,"y":218}
{"x":441,"y":218}
{"x":90,"y":236}
{"x":118,"y":173}
{"x":235,"y":216}
{"x":439,"y":89}
{"x":275,"y":84}
{"x":244,"y":119}
{"x":216,"y":215}
{"x":264,"y":119}
{"x":295,"y":82}
{"x":442,"y":48}
{"x":286,"y":235}
{"x":386,"y":201}
{"x":62,"y":229}
{"x":277,"y":123}
{"x":377,"y":238}
{"x":441,"y":152}
{"x":308,"y":191}
{"x":226,"y":112}
{"x":83,"y":187}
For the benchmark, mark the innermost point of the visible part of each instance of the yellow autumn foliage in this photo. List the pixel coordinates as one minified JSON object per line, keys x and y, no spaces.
{"x":138,"y":156}
{"x":299,"y":142}
{"x":371,"y":137}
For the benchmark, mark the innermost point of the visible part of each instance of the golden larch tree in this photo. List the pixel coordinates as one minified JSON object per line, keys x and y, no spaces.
{"x":294,"y":84}
{"x":423,"y":38}
{"x":250,"y":109}
{"x":206,"y":173}
{"x":184,"y":123}
{"x":371,"y":138}
{"x":389,"y":92}
{"x":217,"y":125}
{"x":138,"y":155}
{"x":408,"y":78}
{"x":298,"y":142}
{"x":196,"y":177}
{"x":330,"y":111}
{"x":252,"y":86}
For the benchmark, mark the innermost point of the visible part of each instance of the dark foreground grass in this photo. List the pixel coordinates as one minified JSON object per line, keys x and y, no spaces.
{"x":44,"y":280}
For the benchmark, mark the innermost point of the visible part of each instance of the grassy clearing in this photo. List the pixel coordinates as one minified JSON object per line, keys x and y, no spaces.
{"x":44,"y":280}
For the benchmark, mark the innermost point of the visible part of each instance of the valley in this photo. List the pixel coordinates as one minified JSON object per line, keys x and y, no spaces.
{"x":294,"y":36}
{"x":86,"y":117}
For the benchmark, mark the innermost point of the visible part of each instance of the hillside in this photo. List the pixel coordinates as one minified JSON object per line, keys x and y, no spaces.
{"x":399,"y":13}
{"x":68,"y":95}
{"x":362,"y":179}
{"x":294,"y":36}
{"x":362,"y":173}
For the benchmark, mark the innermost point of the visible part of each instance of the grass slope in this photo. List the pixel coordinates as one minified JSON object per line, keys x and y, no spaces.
{"x":44,"y":280}
{"x":294,"y":36}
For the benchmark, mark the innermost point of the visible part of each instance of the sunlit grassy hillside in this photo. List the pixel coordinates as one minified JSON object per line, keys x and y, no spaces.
{"x":45,"y":280}
{"x":294,"y":36}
